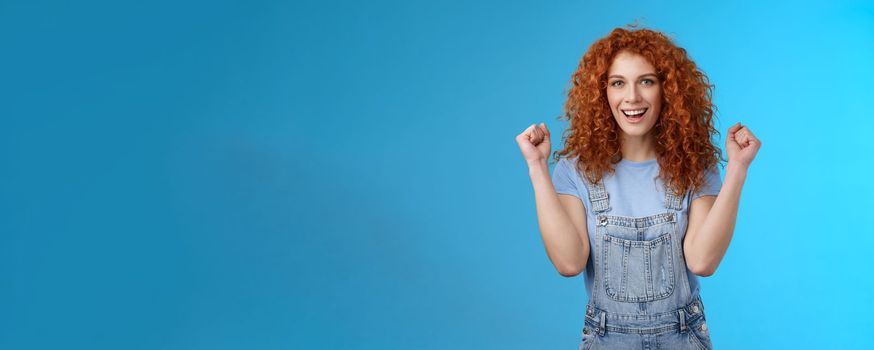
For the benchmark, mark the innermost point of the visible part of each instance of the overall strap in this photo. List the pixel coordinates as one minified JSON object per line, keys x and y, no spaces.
{"x":598,"y":196}
{"x":672,"y":201}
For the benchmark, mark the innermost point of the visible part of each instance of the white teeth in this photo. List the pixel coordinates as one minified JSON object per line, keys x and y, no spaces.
{"x":635,"y":112}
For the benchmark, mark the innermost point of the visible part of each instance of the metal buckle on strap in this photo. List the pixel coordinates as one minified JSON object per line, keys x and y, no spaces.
{"x":602,"y":220}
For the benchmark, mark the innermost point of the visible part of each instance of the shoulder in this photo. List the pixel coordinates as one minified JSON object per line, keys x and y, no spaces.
{"x":568,"y":160}
{"x":712,"y":176}
{"x":567,"y":164}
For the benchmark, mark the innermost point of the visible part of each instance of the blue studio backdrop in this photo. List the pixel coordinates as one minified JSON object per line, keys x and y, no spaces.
{"x":344,"y":175}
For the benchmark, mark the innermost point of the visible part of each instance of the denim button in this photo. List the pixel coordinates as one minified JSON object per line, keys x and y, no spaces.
{"x":695,"y":308}
{"x":602,"y":220}
{"x":704,"y":327}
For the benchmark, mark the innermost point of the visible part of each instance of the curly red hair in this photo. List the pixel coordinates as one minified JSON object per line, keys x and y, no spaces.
{"x":683,"y":131}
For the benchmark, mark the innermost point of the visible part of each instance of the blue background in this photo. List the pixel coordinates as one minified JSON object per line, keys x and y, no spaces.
{"x":326,"y":175}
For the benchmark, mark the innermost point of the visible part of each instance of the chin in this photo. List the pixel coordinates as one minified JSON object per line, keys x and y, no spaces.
{"x":636,"y":131}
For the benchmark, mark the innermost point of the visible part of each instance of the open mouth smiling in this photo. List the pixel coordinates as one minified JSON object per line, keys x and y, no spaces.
{"x":634,"y":113}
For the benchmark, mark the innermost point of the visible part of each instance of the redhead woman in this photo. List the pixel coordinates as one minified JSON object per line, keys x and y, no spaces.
{"x":635,"y":201}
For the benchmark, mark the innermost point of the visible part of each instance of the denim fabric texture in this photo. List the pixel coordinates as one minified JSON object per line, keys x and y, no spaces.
{"x":641,"y":297}
{"x":636,"y":191}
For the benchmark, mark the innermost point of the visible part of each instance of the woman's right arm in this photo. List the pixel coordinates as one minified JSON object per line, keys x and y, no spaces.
{"x":561,"y":217}
{"x":562,"y":223}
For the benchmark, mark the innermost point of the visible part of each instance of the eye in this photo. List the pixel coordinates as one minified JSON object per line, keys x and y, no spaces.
{"x":648,"y":82}
{"x":617,"y":83}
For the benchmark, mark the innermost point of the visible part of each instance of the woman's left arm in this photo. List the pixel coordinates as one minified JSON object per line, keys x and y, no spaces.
{"x":712,"y":220}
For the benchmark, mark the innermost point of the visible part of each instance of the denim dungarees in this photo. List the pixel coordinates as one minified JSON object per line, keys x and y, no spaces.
{"x":641,"y":298}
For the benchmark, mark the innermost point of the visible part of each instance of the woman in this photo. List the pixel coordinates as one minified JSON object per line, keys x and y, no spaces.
{"x":635,"y":199}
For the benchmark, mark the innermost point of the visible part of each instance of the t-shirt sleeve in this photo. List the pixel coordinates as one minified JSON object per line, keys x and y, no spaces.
{"x":564,"y":178}
{"x":712,"y":185}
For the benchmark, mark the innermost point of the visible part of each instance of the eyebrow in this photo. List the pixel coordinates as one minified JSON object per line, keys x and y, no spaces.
{"x":643,"y":75}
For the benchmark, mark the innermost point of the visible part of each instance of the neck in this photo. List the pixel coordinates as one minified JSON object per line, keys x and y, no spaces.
{"x":638,"y":148}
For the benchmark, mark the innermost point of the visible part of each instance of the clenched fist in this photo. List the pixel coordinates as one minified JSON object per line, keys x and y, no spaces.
{"x":534,"y":143}
{"x":741,"y":145}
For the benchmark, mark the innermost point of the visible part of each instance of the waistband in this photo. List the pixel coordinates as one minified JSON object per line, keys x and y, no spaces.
{"x":602,"y":321}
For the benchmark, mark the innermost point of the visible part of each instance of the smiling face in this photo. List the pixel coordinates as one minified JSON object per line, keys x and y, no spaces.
{"x":634,"y":94}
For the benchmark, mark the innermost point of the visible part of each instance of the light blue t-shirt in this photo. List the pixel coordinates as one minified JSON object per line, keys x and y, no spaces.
{"x":634,"y":191}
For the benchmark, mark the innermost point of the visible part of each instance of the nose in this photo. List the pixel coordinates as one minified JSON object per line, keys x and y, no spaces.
{"x":632,"y":94}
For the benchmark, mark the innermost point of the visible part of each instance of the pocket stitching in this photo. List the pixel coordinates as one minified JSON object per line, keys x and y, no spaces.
{"x":696,"y":340}
{"x":588,"y":344}
{"x":664,"y":239}
{"x":694,"y":333}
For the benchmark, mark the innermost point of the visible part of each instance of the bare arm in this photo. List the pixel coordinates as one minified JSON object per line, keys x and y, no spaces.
{"x":711,"y":224}
{"x":712,"y":221}
{"x":562,"y":222}
{"x":562,"y":218}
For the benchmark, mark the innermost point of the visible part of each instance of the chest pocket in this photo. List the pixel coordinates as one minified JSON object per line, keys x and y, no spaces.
{"x":637,"y":270}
